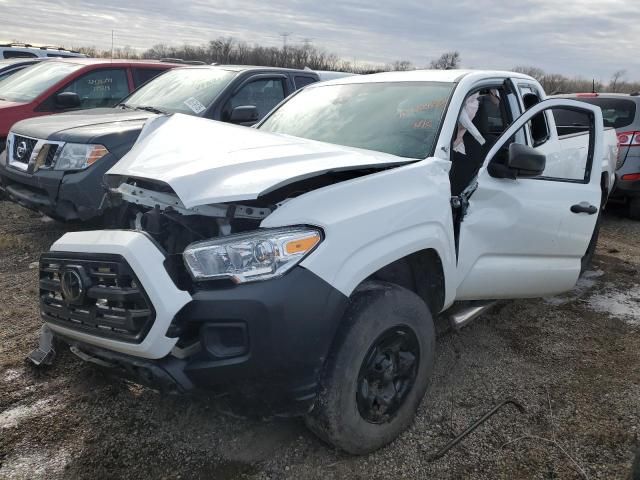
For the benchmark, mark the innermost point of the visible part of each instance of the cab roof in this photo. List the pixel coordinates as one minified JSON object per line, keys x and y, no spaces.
{"x":448,"y":76}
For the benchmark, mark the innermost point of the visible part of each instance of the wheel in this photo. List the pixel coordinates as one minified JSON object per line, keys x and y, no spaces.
{"x":587,"y":258}
{"x":634,"y":208}
{"x":378,"y":371}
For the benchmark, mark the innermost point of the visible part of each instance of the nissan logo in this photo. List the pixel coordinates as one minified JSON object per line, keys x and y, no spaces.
{"x":21,"y":150}
{"x":71,"y":286}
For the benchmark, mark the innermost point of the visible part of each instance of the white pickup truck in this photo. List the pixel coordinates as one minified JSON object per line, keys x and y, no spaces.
{"x":299,"y":265}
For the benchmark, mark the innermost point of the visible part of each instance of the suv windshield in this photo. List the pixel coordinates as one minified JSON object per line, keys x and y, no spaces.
{"x":400,"y":118}
{"x":27,"y":84}
{"x":182,"y":90}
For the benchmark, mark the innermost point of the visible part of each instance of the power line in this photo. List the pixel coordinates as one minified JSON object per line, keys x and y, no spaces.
{"x":284,"y":36}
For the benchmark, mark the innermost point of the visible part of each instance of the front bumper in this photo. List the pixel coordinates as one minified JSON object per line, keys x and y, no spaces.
{"x":65,"y":196}
{"x":267,"y":340}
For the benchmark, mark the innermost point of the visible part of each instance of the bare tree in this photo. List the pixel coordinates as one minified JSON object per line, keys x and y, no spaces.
{"x":401,"y":66}
{"x":615,"y":80}
{"x":447,"y":61}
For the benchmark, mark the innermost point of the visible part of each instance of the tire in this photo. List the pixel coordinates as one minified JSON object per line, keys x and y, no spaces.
{"x":587,"y":259}
{"x":634,"y":208}
{"x":342,"y":416}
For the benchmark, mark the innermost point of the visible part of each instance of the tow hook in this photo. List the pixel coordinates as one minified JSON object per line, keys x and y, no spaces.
{"x":45,"y":353}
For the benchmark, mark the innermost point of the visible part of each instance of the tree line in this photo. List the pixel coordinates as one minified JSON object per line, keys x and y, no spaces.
{"x":226,"y":50}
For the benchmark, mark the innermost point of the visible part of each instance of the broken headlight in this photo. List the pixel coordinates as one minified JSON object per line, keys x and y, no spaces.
{"x":76,"y":156}
{"x":253,"y":256}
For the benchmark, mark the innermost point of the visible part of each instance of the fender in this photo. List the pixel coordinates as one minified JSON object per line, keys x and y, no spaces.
{"x":374,"y":220}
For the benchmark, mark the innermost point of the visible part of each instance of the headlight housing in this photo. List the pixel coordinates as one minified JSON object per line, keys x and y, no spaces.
{"x":249,"y":257}
{"x":77,"y":156}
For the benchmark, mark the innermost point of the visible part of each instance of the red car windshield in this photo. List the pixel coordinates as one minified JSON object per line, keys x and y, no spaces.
{"x":28,"y":83}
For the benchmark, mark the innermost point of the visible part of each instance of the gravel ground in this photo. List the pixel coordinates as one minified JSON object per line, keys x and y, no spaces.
{"x":573,"y":361}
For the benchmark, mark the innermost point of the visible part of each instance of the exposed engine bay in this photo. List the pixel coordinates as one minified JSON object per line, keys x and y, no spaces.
{"x":153,"y":207}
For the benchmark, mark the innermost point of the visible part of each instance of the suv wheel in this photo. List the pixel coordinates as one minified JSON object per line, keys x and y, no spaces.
{"x":378,"y":371}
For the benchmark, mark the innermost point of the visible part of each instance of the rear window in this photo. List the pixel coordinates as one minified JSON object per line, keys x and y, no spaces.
{"x":18,"y":54}
{"x":616,"y":112}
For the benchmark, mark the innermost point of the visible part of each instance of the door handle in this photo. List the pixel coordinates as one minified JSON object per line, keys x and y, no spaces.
{"x":584,"y":207}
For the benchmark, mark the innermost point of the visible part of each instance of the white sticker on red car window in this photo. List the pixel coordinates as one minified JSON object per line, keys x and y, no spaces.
{"x":195,"y":106}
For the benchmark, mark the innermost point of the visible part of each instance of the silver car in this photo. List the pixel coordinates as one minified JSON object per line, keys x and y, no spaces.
{"x":622,"y":112}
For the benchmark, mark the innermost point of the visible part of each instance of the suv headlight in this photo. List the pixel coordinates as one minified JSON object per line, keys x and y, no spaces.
{"x":253,"y":256}
{"x":76,"y":156}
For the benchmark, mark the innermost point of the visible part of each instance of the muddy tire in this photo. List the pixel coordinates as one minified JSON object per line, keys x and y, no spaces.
{"x":378,"y":371}
{"x":634,"y":208}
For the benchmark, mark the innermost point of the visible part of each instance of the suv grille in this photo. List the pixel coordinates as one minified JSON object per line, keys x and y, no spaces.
{"x":97,"y":294}
{"x":22,"y":148}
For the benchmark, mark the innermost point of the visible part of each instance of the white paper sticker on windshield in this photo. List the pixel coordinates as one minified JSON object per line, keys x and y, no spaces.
{"x":195,"y":105}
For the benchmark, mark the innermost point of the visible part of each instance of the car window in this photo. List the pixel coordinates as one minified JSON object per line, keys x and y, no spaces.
{"x":568,"y":159}
{"x":303,"y":81}
{"x":538,"y":126}
{"x":143,"y":75}
{"x":616,"y":112}
{"x":189,"y":90}
{"x":8,"y":73}
{"x":32,"y":81}
{"x":264,"y":94}
{"x":18,"y":54}
{"x":100,"y":88}
{"x":400,"y":118}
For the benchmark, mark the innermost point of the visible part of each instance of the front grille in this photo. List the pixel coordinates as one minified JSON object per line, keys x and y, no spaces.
{"x":22,"y":148}
{"x":51,"y":154}
{"x":113,"y":303}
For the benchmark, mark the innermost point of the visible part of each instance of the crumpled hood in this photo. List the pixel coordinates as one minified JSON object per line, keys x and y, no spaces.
{"x":206,"y":162}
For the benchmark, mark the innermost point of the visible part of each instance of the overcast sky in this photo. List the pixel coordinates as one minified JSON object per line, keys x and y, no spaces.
{"x":591,"y":38}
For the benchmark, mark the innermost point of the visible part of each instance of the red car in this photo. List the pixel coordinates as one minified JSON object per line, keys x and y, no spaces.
{"x":62,"y":85}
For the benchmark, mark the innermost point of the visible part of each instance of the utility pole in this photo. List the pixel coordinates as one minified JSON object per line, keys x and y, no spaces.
{"x":111,"y":44}
{"x":284,"y":36}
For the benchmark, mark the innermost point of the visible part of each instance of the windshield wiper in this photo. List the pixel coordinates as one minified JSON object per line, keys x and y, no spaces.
{"x":124,"y":106}
{"x":151,"y":109}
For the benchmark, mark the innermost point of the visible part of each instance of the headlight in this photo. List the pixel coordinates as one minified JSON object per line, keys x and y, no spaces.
{"x":253,"y":256}
{"x":76,"y":156}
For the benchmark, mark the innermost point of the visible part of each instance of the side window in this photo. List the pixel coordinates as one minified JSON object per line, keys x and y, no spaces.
{"x":143,"y":75}
{"x":18,"y":54}
{"x":264,"y":94}
{"x":568,"y":160}
{"x":303,"y":81}
{"x":538,"y":126}
{"x":100,"y":88}
{"x":483,"y":118}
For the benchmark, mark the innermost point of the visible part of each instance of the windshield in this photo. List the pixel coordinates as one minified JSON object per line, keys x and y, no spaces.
{"x":28,"y":83}
{"x":400,"y":118}
{"x":183,"y":90}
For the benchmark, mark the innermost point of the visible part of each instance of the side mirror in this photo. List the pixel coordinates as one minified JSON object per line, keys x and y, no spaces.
{"x":526,"y":161}
{"x":244,"y":114}
{"x":67,"y":100}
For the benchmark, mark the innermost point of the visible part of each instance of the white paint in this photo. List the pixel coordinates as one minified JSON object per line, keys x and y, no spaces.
{"x":371,"y":221}
{"x":226,"y":163}
{"x":520,"y":238}
{"x":585,"y":283}
{"x":147,"y":262}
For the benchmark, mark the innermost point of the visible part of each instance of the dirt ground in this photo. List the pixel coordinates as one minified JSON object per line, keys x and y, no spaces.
{"x":573,"y":361}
